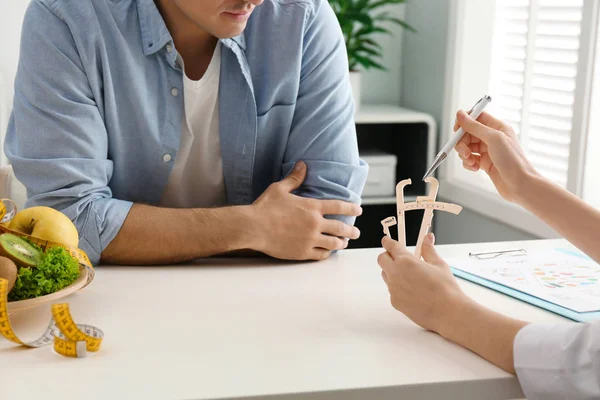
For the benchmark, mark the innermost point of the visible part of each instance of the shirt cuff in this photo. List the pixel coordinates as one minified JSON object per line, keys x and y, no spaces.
{"x":103,"y":222}
{"x":552,"y":361}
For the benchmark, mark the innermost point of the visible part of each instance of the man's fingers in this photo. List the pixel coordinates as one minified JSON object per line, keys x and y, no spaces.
{"x":338,"y":228}
{"x":338,"y":207}
{"x":331,"y":243}
{"x":294,"y":178}
{"x":319,"y":254}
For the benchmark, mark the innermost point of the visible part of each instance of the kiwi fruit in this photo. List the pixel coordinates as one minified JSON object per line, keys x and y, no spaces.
{"x":19,"y":250}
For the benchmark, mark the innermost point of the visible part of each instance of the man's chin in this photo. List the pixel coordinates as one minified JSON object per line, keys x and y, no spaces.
{"x":229,"y":33}
{"x":231,"y":25}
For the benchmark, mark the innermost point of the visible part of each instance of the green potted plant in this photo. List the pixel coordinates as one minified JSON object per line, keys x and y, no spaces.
{"x":360,"y":21}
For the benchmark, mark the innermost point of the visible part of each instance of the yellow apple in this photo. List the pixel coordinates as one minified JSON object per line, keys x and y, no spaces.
{"x":47,"y":224}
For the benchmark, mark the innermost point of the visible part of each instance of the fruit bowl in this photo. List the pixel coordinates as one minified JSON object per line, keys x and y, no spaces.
{"x":80,"y":282}
{"x":45,"y":228}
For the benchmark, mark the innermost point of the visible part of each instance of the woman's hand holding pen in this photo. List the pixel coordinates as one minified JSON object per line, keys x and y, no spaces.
{"x":492,"y":146}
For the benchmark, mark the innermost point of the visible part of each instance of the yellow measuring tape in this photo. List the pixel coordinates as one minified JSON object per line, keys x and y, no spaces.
{"x":70,"y":339}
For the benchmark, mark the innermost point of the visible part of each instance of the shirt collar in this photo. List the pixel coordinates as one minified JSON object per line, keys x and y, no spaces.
{"x":240,"y":40}
{"x":153,"y":28}
{"x":155,"y":33}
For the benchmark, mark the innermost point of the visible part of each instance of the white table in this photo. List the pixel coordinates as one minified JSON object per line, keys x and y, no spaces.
{"x":237,"y":328}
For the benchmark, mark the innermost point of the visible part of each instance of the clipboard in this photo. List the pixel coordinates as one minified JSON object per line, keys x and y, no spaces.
{"x":523,"y":296}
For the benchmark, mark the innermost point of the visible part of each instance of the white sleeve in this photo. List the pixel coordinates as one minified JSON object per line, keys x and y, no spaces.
{"x":559,"y":360}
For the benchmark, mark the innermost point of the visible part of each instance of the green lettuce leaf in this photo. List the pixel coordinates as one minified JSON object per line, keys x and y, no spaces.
{"x":57,"y":270}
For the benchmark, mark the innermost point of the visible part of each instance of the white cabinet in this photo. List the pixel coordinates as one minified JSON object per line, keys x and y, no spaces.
{"x":381,"y":180}
{"x":407,"y":135}
{"x":398,"y":144}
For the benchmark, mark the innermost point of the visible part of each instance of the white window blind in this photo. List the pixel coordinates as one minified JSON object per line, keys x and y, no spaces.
{"x":533,"y":77}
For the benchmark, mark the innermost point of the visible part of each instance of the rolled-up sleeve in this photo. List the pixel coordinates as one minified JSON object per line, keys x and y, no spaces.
{"x":559,"y":361}
{"x":323,"y":133}
{"x":56,"y":139}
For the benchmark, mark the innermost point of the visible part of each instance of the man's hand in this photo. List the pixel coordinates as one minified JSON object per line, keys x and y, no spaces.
{"x":425,"y":291}
{"x":294,"y":228}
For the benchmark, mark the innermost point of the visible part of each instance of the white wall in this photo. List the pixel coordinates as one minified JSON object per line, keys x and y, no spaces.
{"x":384,"y":87}
{"x":471,"y":227}
{"x":10,"y":29}
{"x":424,"y":57}
{"x":423,"y":82}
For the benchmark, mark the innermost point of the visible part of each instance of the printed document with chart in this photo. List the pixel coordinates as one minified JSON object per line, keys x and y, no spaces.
{"x":555,"y":276}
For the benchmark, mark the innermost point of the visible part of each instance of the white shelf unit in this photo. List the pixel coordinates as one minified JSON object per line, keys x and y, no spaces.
{"x":369,"y":201}
{"x":391,"y":114}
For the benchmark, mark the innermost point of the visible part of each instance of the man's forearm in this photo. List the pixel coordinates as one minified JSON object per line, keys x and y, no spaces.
{"x":571,"y":217}
{"x":153,"y":235}
{"x":489,"y":334}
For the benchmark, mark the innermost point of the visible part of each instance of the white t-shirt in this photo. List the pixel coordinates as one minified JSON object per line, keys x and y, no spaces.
{"x":197,"y":176}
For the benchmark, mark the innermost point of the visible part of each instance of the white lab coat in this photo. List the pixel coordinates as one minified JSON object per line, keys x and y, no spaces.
{"x":559,"y":360}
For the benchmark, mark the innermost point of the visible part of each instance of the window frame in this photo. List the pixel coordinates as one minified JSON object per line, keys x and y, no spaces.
{"x":591,"y":191}
{"x":489,"y":203}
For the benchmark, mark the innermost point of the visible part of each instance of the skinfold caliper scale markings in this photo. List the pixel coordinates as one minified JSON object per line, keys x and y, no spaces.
{"x":426,"y":203}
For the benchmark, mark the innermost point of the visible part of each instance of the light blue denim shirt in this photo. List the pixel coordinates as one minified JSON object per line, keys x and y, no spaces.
{"x":98,"y":108}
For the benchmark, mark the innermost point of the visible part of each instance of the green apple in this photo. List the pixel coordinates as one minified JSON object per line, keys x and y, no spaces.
{"x":46,"y":223}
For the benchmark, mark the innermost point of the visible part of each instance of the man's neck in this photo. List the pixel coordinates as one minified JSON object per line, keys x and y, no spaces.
{"x":195,"y":45}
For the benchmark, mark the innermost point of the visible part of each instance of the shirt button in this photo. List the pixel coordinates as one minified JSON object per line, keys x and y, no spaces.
{"x":167,"y":157}
{"x":174,"y":92}
{"x":169,"y":48}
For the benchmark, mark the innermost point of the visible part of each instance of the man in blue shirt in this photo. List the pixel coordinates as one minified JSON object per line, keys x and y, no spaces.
{"x":121,"y":122}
